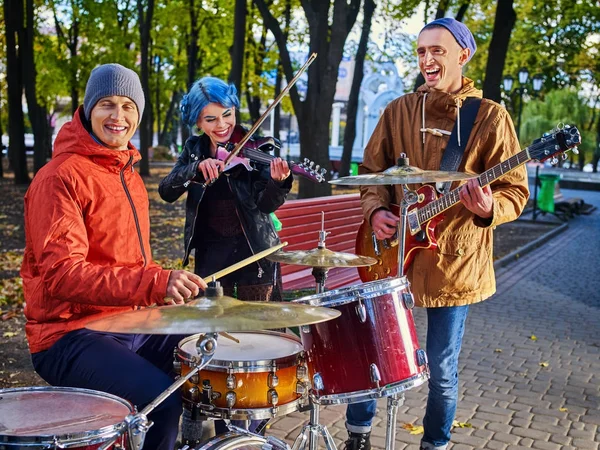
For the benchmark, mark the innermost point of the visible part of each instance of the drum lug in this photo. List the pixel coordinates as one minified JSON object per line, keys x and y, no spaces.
{"x":230,"y":398}
{"x":301,"y":371}
{"x":230,"y":382}
{"x":421,"y":357}
{"x":272,"y":380}
{"x":375,"y":375}
{"x":361,"y":310}
{"x":272,"y":397}
{"x":408,"y":300}
{"x":318,"y":382}
{"x":177,"y":367}
{"x":301,"y":388}
{"x":194,"y":392}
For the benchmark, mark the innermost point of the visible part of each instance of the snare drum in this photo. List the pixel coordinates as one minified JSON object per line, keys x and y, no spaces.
{"x":371,"y":350}
{"x":262,"y":376}
{"x":59,"y":417}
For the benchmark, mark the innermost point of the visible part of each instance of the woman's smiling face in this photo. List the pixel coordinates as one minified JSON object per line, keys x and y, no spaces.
{"x":217,"y":122}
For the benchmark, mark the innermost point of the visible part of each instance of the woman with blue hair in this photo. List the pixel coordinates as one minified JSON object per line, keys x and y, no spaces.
{"x":227,"y":212}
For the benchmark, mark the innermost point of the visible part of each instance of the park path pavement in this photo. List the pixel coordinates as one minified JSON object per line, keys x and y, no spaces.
{"x":530,"y":364}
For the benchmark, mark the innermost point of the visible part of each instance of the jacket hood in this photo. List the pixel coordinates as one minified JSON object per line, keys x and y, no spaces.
{"x":73,"y":137}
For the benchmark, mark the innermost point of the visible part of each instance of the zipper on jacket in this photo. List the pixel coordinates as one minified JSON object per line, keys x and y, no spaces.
{"x":135,"y":216}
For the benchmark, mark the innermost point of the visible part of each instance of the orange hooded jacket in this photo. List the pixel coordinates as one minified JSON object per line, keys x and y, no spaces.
{"x":87,"y":250}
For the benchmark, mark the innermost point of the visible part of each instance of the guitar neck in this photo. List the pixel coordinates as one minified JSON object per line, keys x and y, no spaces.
{"x":448,"y":200}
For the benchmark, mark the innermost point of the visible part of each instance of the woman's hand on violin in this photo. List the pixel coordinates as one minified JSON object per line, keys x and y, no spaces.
{"x":279,"y":169}
{"x":210,"y":168}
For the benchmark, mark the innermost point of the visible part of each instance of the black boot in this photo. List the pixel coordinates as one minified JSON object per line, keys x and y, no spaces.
{"x":358,"y":441}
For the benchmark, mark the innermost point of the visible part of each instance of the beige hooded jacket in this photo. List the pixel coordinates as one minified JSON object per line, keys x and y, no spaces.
{"x":460,"y":270}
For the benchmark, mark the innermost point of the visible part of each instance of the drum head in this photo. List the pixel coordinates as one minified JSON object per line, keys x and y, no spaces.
{"x":43,"y":414}
{"x":372,"y":289}
{"x":259,"y":348}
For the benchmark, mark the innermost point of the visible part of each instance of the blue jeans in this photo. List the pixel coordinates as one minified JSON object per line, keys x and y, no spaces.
{"x":134,"y":367}
{"x":445,"y":330}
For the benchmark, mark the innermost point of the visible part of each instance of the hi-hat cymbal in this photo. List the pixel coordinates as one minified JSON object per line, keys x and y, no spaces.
{"x":213,"y":314}
{"x":403,"y":175}
{"x":321,"y":257}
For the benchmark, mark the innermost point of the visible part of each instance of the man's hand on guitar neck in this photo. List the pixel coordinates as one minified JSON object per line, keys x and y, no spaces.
{"x":476,"y":199}
{"x":384,"y":223}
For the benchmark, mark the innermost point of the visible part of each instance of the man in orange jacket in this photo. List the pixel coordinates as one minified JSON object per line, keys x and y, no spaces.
{"x":88,"y":256}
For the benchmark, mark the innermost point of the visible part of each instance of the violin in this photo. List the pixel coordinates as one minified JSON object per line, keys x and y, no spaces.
{"x":257,"y":151}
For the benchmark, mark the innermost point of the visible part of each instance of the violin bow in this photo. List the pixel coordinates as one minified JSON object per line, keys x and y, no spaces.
{"x":238,"y":147}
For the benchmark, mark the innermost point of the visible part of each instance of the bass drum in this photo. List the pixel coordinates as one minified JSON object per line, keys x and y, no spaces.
{"x":243,"y":441}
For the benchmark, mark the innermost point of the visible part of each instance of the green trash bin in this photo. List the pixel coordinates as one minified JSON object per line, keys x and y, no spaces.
{"x":353,"y":168}
{"x":545,"y":201}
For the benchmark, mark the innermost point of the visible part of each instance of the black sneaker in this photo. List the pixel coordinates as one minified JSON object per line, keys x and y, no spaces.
{"x":358,"y":441}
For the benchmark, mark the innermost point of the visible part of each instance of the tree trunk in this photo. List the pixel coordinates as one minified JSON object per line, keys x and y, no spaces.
{"x":13,"y":23}
{"x":279,"y":79}
{"x":503,"y":25}
{"x":145,"y":130}
{"x":359,"y":72}
{"x":237,"y":49}
{"x":596,"y":156}
{"x":314,"y":112}
{"x":38,"y":114}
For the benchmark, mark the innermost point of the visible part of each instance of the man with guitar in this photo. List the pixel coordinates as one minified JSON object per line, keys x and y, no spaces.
{"x":459,"y":272}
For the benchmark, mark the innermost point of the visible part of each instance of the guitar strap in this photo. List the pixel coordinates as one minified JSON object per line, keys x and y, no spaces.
{"x":453,"y":153}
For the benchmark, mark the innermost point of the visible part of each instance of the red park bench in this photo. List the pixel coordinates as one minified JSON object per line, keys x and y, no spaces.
{"x":301,"y":221}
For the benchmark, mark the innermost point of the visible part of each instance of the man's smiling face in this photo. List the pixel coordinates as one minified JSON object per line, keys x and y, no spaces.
{"x":441,"y":59}
{"x":114,"y":121}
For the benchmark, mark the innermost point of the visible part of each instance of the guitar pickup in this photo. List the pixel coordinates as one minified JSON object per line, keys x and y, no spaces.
{"x":375,"y":243}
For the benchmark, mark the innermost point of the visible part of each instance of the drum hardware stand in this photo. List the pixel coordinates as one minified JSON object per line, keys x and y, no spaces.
{"x":137,"y":425}
{"x":410,"y":198}
{"x":311,"y":431}
{"x":393,"y":402}
{"x":320,"y":273}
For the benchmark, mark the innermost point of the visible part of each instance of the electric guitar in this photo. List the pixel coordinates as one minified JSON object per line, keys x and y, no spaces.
{"x":423,"y":216}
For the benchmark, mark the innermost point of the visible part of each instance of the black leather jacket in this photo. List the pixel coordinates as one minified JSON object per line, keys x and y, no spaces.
{"x":256,"y":196}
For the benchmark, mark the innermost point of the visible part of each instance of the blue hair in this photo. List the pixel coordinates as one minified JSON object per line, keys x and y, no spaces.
{"x":204,"y":91}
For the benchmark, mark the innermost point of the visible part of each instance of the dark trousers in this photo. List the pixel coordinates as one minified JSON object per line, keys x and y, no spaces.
{"x":133,"y":367}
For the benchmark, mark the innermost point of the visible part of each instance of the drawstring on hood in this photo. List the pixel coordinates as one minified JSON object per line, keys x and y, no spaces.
{"x":468,"y":90}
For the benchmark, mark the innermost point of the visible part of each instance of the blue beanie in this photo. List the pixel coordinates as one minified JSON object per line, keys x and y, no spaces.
{"x":459,"y":30}
{"x":113,"y":79}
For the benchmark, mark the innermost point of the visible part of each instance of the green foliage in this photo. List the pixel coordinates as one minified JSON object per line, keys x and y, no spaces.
{"x":562,"y":106}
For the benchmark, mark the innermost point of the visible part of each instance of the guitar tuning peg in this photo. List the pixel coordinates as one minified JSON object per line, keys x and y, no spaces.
{"x":312,"y":163}
{"x":317,"y":167}
{"x":554,"y":161}
{"x":575,"y":150}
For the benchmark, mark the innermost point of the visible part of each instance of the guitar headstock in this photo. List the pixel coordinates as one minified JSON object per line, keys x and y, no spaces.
{"x":559,"y":141}
{"x":309,"y":170}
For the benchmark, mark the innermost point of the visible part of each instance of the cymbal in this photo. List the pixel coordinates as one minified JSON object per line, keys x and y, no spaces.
{"x":403,"y":175}
{"x":321,"y":257}
{"x":213,"y":314}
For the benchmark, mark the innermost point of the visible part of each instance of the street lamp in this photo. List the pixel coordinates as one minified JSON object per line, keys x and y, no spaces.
{"x":523,"y":77}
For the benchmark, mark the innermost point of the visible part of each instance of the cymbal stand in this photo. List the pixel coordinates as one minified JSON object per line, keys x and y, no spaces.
{"x":393,"y":402}
{"x":312,"y":430}
{"x":320,"y":273}
{"x":410,"y":197}
{"x":137,"y":425}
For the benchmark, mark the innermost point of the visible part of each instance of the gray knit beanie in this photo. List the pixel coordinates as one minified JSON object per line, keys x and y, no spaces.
{"x":113,"y":79}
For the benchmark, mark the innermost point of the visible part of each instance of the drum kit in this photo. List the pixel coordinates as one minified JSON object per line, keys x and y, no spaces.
{"x":356,"y":343}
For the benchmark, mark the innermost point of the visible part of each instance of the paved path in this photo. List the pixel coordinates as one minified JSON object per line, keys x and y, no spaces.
{"x":517,"y":392}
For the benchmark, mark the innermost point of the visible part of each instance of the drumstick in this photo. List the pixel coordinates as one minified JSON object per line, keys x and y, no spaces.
{"x":244,"y":262}
{"x":228,"y":336}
